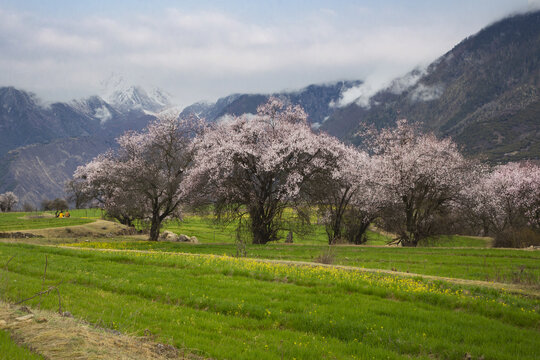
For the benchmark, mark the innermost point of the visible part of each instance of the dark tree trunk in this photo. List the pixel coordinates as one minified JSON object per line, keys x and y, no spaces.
{"x":408,"y":243}
{"x":154,"y":228}
{"x":335,"y":227}
{"x":408,"y":237}
{"x":485,"y":226}
{"x":262,"y":226}
{"x":357,"y":233}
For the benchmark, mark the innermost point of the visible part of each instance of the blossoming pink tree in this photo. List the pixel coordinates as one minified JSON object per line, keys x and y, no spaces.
{"x":253,"y":167}
{"x":350,"y":199}
{"x":143,"y":178}
{"x":421,"y":175}
{"x":507,"y":197}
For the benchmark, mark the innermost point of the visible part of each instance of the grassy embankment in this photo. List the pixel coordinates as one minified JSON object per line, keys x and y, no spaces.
{"x":13,"y":221}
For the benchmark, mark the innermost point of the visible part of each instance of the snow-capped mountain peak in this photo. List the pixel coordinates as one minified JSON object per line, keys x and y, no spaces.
{"x":129,"y":97}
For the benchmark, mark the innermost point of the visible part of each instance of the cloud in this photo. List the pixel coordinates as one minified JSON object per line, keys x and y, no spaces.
{"x":362,"y":94}
{"x":399,"y":85}
{"x":203,"y":54}
{"x":55,"y":40}
{"x":103,"y":114}
{"x":534,"y":4}
{"x":427,"y":92}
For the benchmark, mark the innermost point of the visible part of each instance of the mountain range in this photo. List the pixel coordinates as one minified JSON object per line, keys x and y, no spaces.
{"x":42,"y":144}
{"x":484,"y":93}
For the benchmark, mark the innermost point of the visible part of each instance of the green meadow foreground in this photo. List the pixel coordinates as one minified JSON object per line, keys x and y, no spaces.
{"x":208,"y":303}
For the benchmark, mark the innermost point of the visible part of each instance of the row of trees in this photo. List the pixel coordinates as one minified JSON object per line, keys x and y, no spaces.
{"x":57,"y":204}
{"x":250,"y":169}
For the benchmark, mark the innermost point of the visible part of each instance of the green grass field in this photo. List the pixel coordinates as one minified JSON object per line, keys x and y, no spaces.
{"x":11,"y":351}
{"x":456,"y":241}
{"x":208,"y":232}
{"x":201,"y":299}
{"x":223,"y":307}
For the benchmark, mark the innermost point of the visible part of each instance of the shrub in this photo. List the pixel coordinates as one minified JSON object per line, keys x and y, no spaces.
{"x":517,"y":238}
{"x":326,"y":257}
{"x":56,"y":204}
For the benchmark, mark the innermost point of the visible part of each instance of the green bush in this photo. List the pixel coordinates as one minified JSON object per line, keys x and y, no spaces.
{"x":517,"y":238}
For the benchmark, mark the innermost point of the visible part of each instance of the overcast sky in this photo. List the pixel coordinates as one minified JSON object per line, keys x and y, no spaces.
{"x":199,"y":50}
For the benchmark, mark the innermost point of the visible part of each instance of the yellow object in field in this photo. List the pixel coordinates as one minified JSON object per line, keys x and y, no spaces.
{"x":61,"y":215}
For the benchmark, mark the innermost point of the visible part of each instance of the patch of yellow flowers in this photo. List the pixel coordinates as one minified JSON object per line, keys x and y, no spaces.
{"x":291,"y":272}
{"x":300,"y":273}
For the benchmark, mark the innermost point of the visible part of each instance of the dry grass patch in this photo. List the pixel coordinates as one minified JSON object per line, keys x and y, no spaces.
{"x":58,"y":337}
{"x":98,"y":228}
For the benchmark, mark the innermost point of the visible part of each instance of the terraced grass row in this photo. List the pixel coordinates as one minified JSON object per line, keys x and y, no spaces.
{"x":499,"y":265}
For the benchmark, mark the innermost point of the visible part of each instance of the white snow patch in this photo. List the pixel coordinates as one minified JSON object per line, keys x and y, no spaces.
{"x":116,"y":91}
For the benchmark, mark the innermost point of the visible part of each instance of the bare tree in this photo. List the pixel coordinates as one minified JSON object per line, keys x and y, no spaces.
{"x":76,"y":194}
{"x":8,"y":201}
{"x":56,"y":204}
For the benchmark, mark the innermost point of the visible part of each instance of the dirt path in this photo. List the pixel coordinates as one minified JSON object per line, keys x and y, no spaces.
{"x":511,"y":288}
{"x":59,"y":337}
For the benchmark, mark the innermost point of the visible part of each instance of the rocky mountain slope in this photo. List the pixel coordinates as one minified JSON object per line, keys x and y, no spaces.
{"x":39,"y":171}
{"x":41,"y":145}
{"x":317,"y":100}
{"x":485,"y":93}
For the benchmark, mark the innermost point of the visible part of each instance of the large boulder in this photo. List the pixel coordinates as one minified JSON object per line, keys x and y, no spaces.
{"x":183,"y":238}
{"x":168,"y":236}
